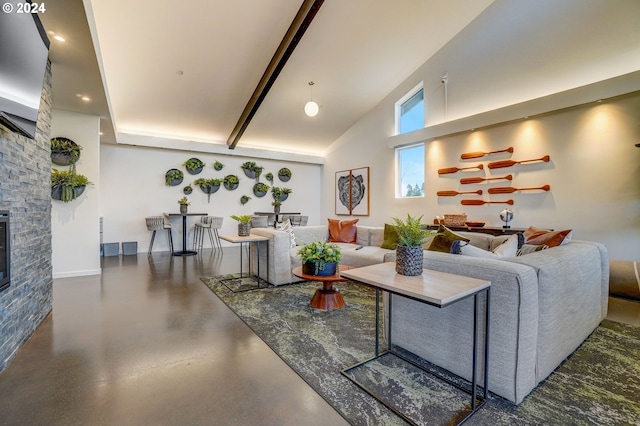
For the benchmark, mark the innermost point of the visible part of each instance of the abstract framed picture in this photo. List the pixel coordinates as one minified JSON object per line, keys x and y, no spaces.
{"x":352,"y":192}
{"x":343,"y":186}
{"x":360,"y":191}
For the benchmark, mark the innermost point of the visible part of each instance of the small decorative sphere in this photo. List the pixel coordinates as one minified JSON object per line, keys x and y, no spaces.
{"x":506,"y":215}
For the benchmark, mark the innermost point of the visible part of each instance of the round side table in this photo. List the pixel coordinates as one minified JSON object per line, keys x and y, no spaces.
{"x":327,"y":298}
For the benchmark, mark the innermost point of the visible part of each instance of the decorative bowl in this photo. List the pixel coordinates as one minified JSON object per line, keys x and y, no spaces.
{"x":475,"y":224}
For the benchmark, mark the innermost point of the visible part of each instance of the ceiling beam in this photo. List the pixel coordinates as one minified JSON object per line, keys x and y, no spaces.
{"x":288,"y":44}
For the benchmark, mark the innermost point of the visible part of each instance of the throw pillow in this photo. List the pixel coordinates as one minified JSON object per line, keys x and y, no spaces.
{"x":390,"y":237}
{"x":443,"y":240}
{"x":342,"y":231}
{"x":538,"y":236}
{"x":508,"y":248}
{"x":288,"y":228}
{"x":529,"y":248}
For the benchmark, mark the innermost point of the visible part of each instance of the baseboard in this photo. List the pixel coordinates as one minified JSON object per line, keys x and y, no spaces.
{"x":77,"y":273}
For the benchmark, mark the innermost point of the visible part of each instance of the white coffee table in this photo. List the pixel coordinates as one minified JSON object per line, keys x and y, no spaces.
{"x":251,"y":238}
{"x":434,"y":288}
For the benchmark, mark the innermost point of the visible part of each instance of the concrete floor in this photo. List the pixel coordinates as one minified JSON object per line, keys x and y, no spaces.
{"x":148,"y":343}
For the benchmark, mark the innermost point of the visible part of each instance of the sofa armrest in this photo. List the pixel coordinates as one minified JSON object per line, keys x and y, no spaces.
{"x":279,"y":262}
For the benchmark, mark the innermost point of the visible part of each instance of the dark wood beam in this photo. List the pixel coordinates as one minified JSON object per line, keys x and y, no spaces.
{"x":288,"y":44}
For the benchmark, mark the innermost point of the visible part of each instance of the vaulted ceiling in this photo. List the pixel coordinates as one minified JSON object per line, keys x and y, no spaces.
{"x":185,"y":70}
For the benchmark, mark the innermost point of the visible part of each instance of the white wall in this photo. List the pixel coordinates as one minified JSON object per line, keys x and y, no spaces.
{"x":133,"y":188}
{"x":512,"y":53}
{"x":75,"y":225}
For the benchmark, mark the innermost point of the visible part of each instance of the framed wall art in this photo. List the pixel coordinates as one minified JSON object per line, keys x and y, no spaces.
{"x":352,"y":192}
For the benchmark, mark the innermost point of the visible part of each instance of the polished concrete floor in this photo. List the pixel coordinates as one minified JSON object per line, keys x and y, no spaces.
{"x":148,"y":343}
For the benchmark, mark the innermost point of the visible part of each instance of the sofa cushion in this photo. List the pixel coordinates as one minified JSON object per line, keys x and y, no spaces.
{"x":342,"y":231}
{"x":508,"y":248}
{"x":390,"y":237}
{"x":376,"y":236}
{"x":530,"y":248}
{"x":537,"y":236}
{"x":443,"y":240}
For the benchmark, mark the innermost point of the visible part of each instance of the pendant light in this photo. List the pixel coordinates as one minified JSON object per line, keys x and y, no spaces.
{"x":311,"y":108}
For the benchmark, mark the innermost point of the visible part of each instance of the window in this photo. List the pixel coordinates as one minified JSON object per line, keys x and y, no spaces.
{"x":410,"y":171}
{"x":410,"y":111}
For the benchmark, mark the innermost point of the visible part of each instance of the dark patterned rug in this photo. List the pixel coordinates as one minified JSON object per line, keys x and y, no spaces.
{"x":598,"y":385}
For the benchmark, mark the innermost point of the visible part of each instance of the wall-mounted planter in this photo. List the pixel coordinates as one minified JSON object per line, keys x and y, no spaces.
{"x":218,"y":166}
{"x":194,"y":165}
{"x":231,"y":182}
{"x":66,"y":193}
{"x":64,"y":151}
{"x":284,"y":174}
{"x":187,"y":190}
{"x":260,"y":189}
{"x":173,"y":177}
{"x":209,"y":189}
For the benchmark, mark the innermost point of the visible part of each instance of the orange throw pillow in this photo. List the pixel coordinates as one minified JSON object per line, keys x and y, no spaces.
{"x":537,"y":236}
{"x":342,"y":231}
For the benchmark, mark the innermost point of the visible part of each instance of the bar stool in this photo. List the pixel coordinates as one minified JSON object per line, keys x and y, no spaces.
{"x":158,"y":223}
{"x":210,"y":223}
{"x":304,"y":220}
{"x":295,"y":220}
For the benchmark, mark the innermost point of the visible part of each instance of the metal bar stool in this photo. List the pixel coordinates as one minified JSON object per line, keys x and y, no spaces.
{"x":211,"y":224}
{"x":158,"y":223}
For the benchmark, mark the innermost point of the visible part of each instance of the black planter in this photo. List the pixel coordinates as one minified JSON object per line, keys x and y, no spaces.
{"x":323,"y":270}
{"x":56,"y":192}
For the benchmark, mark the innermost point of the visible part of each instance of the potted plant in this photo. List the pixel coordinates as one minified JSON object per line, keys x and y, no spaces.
{"x":194,"y":165}
{"x":244,"y":199}
{"x":244,"y":224}
{"x":184,"y":203}
{"x":260,"y":189}
{"x":251,"y":170}
{"x":218,"y":165}
{"x":231,"y":182}
{"x":173,"y":177}
{"x":276,"y":206}
{"x":187,"y":190}
{"x":269,"y":177}
{"x":280,"y":194}
{"x":320,"y":258}
{"x":208,"y":186}
{"x":284,"y":174}
{"x":67,"y":185}
{"x":409,"y":251}
{"x":64,"y":151}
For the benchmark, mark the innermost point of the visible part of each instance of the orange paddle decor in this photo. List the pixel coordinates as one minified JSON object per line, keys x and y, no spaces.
{"x":479,"y":154}
{"x":448,"y":170}
{"x":454,"y":193}
{"x":509,"y":189}
{"x":469,"y":180}
{"x":509,"y":163}
{"x":482,"y":202}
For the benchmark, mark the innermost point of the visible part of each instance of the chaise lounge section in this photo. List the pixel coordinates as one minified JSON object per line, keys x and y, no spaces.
{"x":543,"y":304}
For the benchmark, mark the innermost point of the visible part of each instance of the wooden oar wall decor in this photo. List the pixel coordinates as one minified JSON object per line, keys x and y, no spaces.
{"x":479,"y":154}
{"x":483,"y":202}
{"x":508,"y":163}
{"x":448,"y":170}
{"x":466,"y":181}
{"x":454,"y":193}
{"x":509,"y":189}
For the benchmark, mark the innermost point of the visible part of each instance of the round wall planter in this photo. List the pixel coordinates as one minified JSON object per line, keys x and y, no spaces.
{"x":284,"y":177}
{"x":283,"y":197}
{"x":173,"y":182}
{"x":56,"y":192}
{"x":64,"y":158}
{"x":209,"y":189}
{"x":258,"y":193}
{"x":197,"y":169}
{"x":230,"y":187}
{"x":187,"y":190}
{"x":251,"y":174}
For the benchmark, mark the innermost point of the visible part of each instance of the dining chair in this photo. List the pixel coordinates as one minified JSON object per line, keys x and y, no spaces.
{"x":259,"y":222}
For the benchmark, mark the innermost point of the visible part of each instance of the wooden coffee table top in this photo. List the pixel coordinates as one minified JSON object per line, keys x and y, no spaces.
{"x":297,"y":271}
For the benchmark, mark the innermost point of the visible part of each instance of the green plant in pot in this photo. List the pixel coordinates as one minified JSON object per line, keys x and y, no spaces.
{"x":187,"y":189}
{"x":244,"y":224}
{"x":284,"y":174}
{"x":218,"y":165}
{"x":260,"y":189}
{"x":280,"y":194}
{"x":208,"y":186}
{"x":276,"y":206}
{"x":231,"y":182}
{"x":244,"y":199}
{"x":173,"y":177}
{"x":320,"y":258}
{"x":194,"y":165}
{"x":269,"y":177}
{"x":67,"y":185}
{"x":409,"y":251}
{"x":184,"y":204}
{"x":64,"y":151}
{"x":251,"y":170}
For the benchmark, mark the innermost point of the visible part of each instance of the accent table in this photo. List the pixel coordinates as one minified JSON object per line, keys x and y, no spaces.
{"x":434,"y":288}
{"x":184,"y":251}
{"x":251,"y":238}
{"x":327,"y":298}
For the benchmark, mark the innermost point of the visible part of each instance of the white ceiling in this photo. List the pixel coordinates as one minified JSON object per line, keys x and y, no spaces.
{"x":356,"y":52}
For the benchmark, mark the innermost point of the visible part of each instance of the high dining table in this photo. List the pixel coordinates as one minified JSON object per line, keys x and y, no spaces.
{"x":184,"y":251}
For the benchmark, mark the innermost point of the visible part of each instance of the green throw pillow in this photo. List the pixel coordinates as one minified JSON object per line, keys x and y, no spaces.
{"x":390,"y":237}
{"x":443,"y":240}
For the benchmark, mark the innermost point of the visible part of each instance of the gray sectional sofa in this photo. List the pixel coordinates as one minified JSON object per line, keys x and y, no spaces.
{"x":543,"y":305}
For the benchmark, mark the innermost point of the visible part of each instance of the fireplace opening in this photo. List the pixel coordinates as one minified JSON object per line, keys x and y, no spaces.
{"x":5,"y":251}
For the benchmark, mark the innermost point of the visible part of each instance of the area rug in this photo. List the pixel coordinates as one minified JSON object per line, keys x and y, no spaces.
{"x":598,"y":384}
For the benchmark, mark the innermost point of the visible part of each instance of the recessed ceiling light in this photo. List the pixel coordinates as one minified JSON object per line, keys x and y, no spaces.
{"x":59,"y":38}
{"x":86,"y":98}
